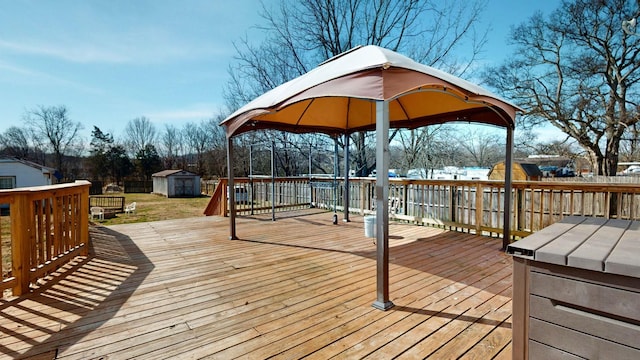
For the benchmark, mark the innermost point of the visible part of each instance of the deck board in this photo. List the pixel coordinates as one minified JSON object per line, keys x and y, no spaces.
{"x":297,"y":287}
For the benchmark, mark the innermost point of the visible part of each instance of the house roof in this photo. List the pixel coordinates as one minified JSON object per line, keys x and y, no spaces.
{"x":530,"y":169}
{"x":558,"y":161}
{"x":165,"y":173}
{"x":44,"y":169}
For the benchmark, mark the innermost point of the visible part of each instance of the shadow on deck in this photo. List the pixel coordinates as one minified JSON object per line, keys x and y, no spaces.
{"x":296,"y":287}
{"x":76,"y":300}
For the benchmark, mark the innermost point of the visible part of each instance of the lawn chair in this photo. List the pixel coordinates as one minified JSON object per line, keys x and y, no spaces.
{"x":130,"y":209}
{"x":97,"y":211}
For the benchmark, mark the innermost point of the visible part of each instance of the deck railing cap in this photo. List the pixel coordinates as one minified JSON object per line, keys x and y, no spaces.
{"x":77,"y":183}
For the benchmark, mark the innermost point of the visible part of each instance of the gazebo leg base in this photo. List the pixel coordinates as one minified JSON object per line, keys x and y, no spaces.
{"x":384,"y":306}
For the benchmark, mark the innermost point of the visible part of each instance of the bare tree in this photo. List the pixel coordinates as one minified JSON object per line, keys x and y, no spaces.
{"x":53,"y":128}
{"x":139,"y":133}
{"x":578,"y":70}
{"x":364,"y":157}
{"x":481,"y":147}
{"x":198,"y":142}
{"x":423,"y":148}
{"x":630,"y":143}
{"x":292,"y":157}
{"x":216,"y":152}
{"x":301,"y":34}
{"x":291,"y":154}
{"x":557,"y":147}
{"x":170,"y":146}
{"x":16,"y":142}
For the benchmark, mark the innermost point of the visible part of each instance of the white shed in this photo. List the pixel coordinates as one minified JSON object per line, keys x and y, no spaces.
{"x":176,"y":183}
{"x":16,"y":173}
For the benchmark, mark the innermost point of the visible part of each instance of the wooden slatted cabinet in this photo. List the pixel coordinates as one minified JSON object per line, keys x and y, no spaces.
{"x":576,"y":291}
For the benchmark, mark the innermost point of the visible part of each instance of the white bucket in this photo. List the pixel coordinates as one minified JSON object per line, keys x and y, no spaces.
{"x":370,"y":226}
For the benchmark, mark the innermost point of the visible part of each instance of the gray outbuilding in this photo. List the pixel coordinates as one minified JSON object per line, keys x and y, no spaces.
{"x":176,"y":183}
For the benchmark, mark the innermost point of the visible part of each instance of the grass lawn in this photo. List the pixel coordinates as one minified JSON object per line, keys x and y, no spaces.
{"x":154,"y":207}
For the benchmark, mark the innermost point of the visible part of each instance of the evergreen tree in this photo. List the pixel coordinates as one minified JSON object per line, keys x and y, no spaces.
{"x":148,"y":161}
{"x":101,"y":144}
{"x":119,"y":164}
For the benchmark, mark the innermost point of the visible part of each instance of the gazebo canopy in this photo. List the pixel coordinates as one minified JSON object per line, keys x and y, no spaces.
{"x":339,"y":97}
{"x":372,"y":88}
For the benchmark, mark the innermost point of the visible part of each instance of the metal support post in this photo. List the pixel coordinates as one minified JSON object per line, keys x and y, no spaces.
{"x":508,"y":166}
{"x":273,"y":181}
{"x":232,"y":190}
{"x":345,"y":194}
{"x":382,"y":206}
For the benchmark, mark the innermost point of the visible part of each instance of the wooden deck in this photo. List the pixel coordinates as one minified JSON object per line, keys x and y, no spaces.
{"x":297,"y":287}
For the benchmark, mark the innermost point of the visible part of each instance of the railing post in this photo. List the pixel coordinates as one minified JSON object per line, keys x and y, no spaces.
{"x":479,"y":207}
{"x":84,"y":220}
{"x":224,"y":203}
{"x":21,"y":228}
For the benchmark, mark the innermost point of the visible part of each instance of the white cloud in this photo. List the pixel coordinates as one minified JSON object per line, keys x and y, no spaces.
{"x":139,"y":32}
{"x":18,"y":69}
{"x":73,"y":53}
{"x":144,"y":46}
{"x":194,"y":112}
{"x":42,"y":77}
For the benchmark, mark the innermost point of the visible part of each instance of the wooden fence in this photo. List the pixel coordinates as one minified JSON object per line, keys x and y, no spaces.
{"x":464,"y":205}
{"x":96,"y":188}
{"x":47,"y":227}
{"x":138,"y":186}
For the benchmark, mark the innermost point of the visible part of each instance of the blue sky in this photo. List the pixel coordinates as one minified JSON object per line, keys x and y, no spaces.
{"x":112,"y":61}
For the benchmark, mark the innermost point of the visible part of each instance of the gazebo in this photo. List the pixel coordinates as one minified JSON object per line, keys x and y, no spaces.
{"x":372,"y":88}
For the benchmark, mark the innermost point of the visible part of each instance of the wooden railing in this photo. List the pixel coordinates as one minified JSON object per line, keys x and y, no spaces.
{"x":479,"y":205}
{"x":47,"y":227}
{"x":465,"y":205}
{"x":261,"y":195}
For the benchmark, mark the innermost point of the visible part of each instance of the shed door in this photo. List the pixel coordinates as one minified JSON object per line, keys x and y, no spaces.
{"x":184,"y":187}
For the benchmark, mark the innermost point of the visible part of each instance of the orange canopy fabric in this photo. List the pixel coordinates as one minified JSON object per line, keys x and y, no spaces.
{"x":339,"y":97}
